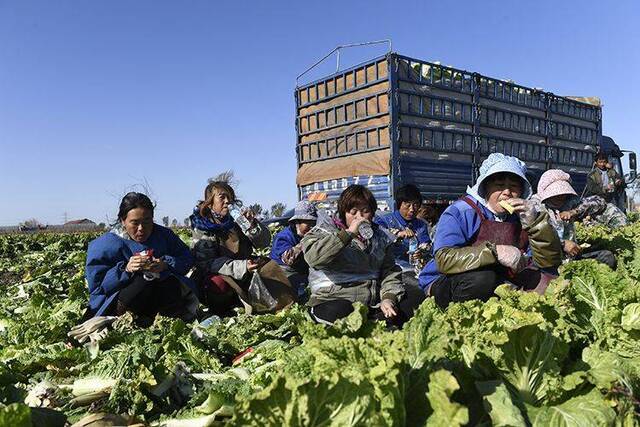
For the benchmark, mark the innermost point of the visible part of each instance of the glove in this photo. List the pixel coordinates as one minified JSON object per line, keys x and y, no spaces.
{"x":528,"y":215}
{"x":510,"y":257}
{"x":526,"y":209}
{"x":92,"y":328}
{"x":98,"y":335}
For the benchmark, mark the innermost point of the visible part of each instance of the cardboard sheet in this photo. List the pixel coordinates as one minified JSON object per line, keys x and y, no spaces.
{"x":371,"y":163}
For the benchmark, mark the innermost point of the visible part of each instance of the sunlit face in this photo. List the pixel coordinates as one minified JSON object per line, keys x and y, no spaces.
{"x":358,"y":212}
{"x":556,"y":202}
{"x":139,"y":224}
{"x":502,"y":187}
{"x":409,"y":210}
{"x":303,"y":227}
{"x":601,"y":164}
{"x":221,"y":203}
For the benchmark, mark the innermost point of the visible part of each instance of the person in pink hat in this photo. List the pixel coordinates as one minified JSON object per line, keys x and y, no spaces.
{"x":557,"y":197}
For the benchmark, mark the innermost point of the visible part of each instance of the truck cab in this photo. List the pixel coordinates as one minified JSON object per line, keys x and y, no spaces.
{"x":611,"y":149}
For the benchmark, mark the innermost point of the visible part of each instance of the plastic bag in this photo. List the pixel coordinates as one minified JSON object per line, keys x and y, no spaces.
{"x":259,"y":296}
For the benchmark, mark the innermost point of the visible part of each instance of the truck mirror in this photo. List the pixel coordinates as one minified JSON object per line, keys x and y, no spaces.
{"x":632,"y":163}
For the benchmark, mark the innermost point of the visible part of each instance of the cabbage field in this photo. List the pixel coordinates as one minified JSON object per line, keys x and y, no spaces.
{"x":569,"y":358}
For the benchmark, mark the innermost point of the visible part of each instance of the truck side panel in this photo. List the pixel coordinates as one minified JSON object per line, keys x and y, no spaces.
{"x":435,"y":128}
{"x":451,"y":120}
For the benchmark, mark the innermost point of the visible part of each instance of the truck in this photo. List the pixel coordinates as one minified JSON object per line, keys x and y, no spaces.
{"x":395,"y":120}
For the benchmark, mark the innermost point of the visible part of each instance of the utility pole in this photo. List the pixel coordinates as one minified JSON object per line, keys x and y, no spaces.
{"x":65,"y":217}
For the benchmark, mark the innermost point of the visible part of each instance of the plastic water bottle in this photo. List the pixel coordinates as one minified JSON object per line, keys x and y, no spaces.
{"x":413,"y":248}
{"x":198,"y":330}
{"x":245,"y":225}
{"x":413,"y":245}
{"x":365,"y":230}
{"x":210,"y":321}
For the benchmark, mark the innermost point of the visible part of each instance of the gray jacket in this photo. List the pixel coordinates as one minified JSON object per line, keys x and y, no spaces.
{"x":341,"y":267}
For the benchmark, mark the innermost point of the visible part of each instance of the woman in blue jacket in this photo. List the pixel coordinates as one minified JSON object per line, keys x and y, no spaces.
{"x":139,"y":266}
{"x":287,"y":249}
{"x":479,"y":244}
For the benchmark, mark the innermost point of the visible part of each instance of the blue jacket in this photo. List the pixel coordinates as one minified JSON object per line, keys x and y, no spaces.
{"x":282,"y":242}
{"x":108,"y":255}
{"x":457,"y":227}
{"x":401,"y":246}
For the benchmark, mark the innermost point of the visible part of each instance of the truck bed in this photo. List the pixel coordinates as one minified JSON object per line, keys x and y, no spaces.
{"x":396,"y":120}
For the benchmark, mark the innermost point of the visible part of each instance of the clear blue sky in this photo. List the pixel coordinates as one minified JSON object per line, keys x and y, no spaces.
{"x":100,"y":96}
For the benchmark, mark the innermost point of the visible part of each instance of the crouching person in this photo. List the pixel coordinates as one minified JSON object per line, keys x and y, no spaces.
{"x":221,"y":248}
{"x":287,"y":246}
{"x":411,"y":233}
{"x":140,"y":267}
{"x":351,"y":260}
{"x":559,"y":200}
{"x":479,"y":244}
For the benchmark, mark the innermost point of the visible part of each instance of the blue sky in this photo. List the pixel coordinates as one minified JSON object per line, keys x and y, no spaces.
{"x":100,"y":97}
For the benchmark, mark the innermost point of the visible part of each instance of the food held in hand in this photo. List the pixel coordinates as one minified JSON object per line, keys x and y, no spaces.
{"x":506,"y":206}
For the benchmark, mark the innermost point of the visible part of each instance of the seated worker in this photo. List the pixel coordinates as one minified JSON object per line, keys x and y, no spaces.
{"x":351,"y":260}
{"x":559,"y":200}
{"x":405,"y":226}
{"x":602,"y":181}
{"x":221,"y":248}
{"x":286,"y":249}
{"x":140,"y":267}
{"x":480,"y":245}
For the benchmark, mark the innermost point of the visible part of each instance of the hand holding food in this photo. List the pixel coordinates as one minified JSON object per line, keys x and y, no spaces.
{"x":506,"y":206}
{"x":525,"y":210}
{"x":137,"y":263}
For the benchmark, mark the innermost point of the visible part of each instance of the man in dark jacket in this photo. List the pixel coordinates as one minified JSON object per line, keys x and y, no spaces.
{"x":604,"y":182}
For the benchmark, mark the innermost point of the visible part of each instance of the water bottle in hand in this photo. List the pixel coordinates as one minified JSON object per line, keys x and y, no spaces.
{"x":413,"y":248}
{"x":365,"y":230}
{"x":245,"y":225}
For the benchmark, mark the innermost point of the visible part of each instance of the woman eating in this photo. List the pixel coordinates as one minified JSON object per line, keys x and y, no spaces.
{"x":140,"y":266}
{"x":491,"y":236}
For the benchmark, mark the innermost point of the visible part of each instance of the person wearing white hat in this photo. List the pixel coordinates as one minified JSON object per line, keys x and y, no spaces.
{"x":559,"y":200}
{"x":491,"y":235}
